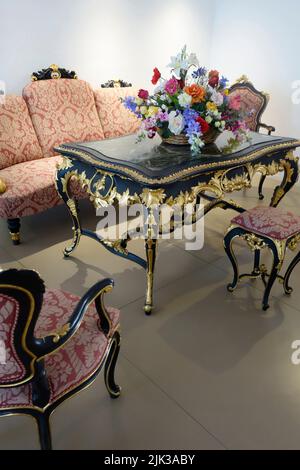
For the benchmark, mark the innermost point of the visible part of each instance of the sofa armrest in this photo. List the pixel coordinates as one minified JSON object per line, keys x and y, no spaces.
{"x":2,"y":186}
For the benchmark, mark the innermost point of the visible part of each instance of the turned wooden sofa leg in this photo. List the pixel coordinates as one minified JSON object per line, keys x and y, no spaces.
{"x":14,"y":226}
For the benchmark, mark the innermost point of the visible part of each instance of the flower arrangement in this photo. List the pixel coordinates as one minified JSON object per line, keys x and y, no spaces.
{"x":194,"y":105}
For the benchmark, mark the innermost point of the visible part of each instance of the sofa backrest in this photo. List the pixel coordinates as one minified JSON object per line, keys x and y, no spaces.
{"x":62,"y":111}
{"x":116,"y":120}
{"x":18,"y":141}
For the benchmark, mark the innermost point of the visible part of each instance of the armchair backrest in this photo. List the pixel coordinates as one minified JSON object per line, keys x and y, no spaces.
{"x":62,"y":110}
{"x":253,"y":101}
{"x":21,"y":297}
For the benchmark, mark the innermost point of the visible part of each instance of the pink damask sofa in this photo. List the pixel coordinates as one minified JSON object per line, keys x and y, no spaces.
{"x":49,"y":113}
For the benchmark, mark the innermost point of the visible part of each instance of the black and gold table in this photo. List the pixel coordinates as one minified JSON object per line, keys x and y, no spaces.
{"x":151,"y":173}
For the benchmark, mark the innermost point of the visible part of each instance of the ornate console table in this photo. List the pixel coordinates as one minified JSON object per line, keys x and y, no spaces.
{"x":121,"y":171}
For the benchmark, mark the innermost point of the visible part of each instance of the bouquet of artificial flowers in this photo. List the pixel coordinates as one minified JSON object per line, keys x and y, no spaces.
{"x":193,"y":103}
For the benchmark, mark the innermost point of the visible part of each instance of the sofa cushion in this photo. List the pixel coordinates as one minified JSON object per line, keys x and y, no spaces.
{"x":62,"y":111}
{"x":18,"y":141}
{"x":116,"y":120}
{"x":31,"y":188}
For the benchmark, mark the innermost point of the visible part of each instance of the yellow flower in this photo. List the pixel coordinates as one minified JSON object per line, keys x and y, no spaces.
{"x":211,"y":106}
{"x":226,"y":92}
{"x":153,"y":110}
{"x":143,"y":109}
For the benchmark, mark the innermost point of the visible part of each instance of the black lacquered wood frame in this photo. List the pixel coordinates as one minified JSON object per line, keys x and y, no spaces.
{"x":210,"y":179}
{"x":27,"y":288}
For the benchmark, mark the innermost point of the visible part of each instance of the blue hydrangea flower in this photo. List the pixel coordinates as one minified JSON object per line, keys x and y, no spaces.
{"x":190,"y":115}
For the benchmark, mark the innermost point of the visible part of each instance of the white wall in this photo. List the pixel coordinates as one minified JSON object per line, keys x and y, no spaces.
{"x":261,"y":39}
{"x":103,"y":39}
{"x":99,"y":39}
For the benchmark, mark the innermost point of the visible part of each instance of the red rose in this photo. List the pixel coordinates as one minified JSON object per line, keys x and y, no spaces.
{"x":181,"y":83}
{"x":152,"y":132}
{"x":214,"y":78}
{"x":203,"y":124}
{"x":156,"y":76}
{"x":143,"y":94}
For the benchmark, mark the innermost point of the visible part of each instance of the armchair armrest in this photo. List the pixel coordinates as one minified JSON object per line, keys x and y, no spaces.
{"x":270,"y":129}
{"x":49,"y":344}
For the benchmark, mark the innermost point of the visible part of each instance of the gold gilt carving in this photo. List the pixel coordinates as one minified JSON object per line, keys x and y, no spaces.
{"x":286,"y":165}
{"x":254,"y":242}
{"x":292,"y":245}
{"x":15,"y":236}
{"x":72,"y":206}
{"x":187,"y":172}
{"x":65,"y":164}
{"x":116,"y":245}
{"x":235,"y":184}
{"x":152,"y":197}
{"x":61,"y":333}
{"x":243,"y":79}
{"x":219,"y":184}
{"x":2,"y":187}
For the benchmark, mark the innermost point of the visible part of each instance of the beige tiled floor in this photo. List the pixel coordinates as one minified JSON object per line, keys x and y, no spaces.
{"x":208,"y":370}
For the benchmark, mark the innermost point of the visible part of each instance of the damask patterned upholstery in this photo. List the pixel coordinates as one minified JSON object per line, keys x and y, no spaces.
{"x":18,"y":141}
{"x":31,"y":188}
{"x":68,"y":367}
{"x":116,"y":120}
{"x":62,"y":111}
{"x":253,"y":103}
{"x":12,"y":368}
{"x":270,"y":222}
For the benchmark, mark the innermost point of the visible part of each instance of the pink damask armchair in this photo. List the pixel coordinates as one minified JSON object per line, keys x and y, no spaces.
{"x":53,"y":344}
{"x":255,"y":103}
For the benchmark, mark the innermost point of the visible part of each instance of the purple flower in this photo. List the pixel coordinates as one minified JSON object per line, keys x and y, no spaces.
{"x":223,"y":82}
{"x":190,"y":115}
{"x":199,"y":73}
{"x":192,"y":129}
{"x":162,"y":116}
{"x":129,"y":103}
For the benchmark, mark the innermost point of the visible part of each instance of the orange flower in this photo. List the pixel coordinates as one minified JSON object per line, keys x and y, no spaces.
{"x":196,"y":92}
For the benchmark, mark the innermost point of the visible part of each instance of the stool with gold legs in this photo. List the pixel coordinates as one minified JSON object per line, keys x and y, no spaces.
{"x":261,"y":228}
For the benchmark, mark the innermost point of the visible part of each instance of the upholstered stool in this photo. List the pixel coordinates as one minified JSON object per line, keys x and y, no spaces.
{"x":265,"y":227}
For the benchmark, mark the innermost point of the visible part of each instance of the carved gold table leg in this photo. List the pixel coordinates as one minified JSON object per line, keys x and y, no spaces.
{"x":73,"y":209}
{"x":290,"y":178}
{"x":151,"y":247}
{"x":63,"y":178}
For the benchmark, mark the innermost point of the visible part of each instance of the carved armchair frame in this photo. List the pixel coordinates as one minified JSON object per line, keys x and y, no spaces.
{"x":27,"y":288}
{"x":244,"y":83}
